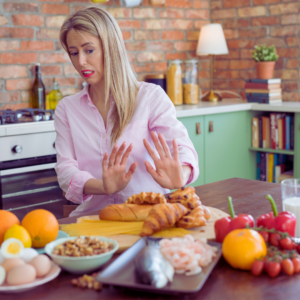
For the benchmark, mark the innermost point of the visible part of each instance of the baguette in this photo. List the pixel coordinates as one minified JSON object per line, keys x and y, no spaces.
{"x":125,"y":212}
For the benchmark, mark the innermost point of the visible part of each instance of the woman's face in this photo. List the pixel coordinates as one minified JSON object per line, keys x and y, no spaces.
{"x":86,"y":54}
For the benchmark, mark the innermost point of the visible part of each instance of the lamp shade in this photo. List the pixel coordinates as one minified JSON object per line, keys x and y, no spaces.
{"x":212,"y":40}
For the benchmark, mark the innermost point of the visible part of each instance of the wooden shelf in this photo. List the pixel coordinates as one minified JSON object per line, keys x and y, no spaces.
{"x":280,"y":151}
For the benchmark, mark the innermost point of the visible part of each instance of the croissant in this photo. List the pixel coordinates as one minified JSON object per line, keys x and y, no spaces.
{"x":162,"y":216}
{"x":190,"y":202}
{"x":184,"y":192}
{"x":195,"y":218}
{"x":146,"y":198}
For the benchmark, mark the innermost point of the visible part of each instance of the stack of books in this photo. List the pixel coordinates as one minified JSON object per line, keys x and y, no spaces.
{"x":263,"y":90}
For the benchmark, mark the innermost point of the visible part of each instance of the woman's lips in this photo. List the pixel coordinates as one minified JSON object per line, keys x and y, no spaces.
{"x":87,"y":73}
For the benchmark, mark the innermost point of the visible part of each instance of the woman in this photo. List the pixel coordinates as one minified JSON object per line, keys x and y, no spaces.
{"x":113,"y":110}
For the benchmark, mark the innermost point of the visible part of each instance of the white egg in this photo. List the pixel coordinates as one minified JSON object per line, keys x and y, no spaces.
{"x":1,"y":258}
{"x":29,"y":254}
{"x":2,"y":275}
{"x":12,"y":248}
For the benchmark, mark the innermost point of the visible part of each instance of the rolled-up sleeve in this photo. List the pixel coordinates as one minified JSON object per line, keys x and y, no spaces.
{"x":162,"y":119}
{"x":70,"y":178}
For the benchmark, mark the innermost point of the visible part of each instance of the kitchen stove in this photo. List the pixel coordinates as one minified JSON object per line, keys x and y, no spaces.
{"x":27,"y":159}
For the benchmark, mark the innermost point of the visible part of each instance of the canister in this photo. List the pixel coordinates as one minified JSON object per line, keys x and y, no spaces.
{"x":159,"y":79}
{"x":190,"y":82}
{"x":174,"y":81}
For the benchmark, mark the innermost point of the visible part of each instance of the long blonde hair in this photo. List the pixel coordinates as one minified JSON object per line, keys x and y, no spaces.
{"x":120,"y":79}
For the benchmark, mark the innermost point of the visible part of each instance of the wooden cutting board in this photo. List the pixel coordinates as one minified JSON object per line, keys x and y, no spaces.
{"x":126,"y":241}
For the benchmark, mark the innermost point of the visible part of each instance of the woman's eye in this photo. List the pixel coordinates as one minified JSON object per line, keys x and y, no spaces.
{"x":73,"y":54}
{"x":90,"y":51}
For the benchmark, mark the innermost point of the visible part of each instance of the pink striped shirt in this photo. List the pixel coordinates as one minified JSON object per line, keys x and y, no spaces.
{"x":82,"y":140}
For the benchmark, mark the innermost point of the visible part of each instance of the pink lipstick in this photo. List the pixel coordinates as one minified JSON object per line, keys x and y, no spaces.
{"x":87,"y":73}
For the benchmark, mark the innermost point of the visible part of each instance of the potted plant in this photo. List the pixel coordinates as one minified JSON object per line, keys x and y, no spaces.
{"x":265,"y":58}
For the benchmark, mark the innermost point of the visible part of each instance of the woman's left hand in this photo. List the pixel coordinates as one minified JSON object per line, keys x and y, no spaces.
{"x":168,"y":173}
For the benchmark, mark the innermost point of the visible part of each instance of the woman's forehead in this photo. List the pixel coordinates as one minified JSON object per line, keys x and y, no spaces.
{"x":77,"y":38}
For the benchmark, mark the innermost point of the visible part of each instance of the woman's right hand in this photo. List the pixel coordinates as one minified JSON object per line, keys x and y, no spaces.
{"x":115,"y":177}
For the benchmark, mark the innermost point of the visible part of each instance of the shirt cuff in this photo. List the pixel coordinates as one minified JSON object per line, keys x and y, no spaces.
{"x":75,"y":189}
{"x":192,"y":172}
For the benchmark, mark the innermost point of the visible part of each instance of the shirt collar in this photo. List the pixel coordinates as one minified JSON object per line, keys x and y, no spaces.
{"x":84,"y":96}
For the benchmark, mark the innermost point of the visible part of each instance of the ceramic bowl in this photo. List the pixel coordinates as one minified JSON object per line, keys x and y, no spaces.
{"x":82,"y":264}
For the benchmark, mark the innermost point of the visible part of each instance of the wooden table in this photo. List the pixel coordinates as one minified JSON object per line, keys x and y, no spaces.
{"x":224,"y":282}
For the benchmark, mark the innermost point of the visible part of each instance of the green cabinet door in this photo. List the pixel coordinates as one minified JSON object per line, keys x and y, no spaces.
{"x":190,"y":124}
{"x":227,"y":140}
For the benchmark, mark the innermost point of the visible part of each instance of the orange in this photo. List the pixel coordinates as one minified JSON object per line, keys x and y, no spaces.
{"x":242,"y":246}
{"x":7,"y":219}
{"x":42,"y":227}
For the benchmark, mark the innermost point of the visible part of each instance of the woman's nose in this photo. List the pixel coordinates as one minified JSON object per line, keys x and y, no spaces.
{"x":82,"y":59}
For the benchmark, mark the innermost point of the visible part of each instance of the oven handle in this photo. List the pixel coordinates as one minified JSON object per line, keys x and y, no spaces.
{"x":27,"y":169}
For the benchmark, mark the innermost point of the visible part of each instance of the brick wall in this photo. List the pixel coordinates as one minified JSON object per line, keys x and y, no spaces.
{"x":29,"y":33}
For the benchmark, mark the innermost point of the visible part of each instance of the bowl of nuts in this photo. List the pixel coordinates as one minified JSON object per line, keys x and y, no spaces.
{"x":83,"y":254}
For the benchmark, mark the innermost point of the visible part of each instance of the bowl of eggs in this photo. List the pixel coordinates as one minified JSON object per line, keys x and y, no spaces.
{"x":22,"y":268}
{"x":83,"y":254}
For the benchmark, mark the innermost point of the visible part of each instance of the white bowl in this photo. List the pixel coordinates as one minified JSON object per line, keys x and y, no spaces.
{"x":82,"y":264}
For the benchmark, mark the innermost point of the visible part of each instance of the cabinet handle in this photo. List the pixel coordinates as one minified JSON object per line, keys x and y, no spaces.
{"x":198,"y":128}
{"x":211,"y":126}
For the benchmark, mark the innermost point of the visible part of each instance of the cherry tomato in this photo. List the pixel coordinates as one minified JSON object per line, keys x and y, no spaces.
{"x":298,"y":249}
{"x":273,"y":268}
{"x":265,"y":235}
{"x":274,"y":239}
{"x":294,"y":245}
{"x":286,"y":243}
{"x":257,"y":267}
{"x":296,"y":263}
{"x":287,"y":266}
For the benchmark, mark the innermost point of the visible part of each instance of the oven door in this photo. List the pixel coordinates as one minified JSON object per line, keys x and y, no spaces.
{"x":33,"y":187}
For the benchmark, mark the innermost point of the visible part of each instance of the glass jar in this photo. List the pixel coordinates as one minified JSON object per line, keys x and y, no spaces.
{"x":174,"y":82}
{"x":190,"y":82}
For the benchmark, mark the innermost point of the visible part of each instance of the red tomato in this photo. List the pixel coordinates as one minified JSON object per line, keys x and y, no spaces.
{"x":257,"y":267}
{"x":287,"y":266}
{"x":286,"y":243}
{"x":273,"y":268}
{"x":265,"y":235}
{"x":296,"y":263}
{"x":298,"y":249}
{"x":274,"y":239}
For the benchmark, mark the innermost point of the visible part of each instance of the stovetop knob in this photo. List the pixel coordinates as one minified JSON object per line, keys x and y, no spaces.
{"x":17,"y":149}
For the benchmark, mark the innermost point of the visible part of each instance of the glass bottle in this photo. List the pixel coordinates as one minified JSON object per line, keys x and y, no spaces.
{"x":38,"y":93}
{"x":174,"y":82}
{"x":190,"y":82}
{"x":54,"y":96}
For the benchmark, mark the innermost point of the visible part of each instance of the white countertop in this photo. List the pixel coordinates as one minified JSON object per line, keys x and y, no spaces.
{"x":200,"y":109}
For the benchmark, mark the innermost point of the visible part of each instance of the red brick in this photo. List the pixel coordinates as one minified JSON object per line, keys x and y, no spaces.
{"x":204,"y":65}
{"x":288,"y":52}
{"x":263,"y":21}
{"x":21,"y":33}
{"x":70,"y":70}
{"x":143,"y":13}
{"x":216,"y":5}
{"x":27,"y":20}
{"x":291,"y":97}
{"x":201,"y":4}
{"x":246,"y":74}
{"x":290,"y":85}
{"x":164,"y":46}
{"x":192,"y":35}
{"x":221,"y":64}
{"x":172,"y":35}
{"x":135,"y":46}
{"x":220,"y":85}
{"x":252,"y":32}
{"x":149,"y":56}
{"x":129,"y":24}
{"x":265,"y":2}
{"x":240,"y":43}
{"x":178,"y":3}
{"x":289,"y":74}
{"x":252,"y":11}
{"x":66,"y":81}
{"x":50,"y":58}
{"x":19,"y":84}
{"x":16,"y":106}
{"x":235,"y":23}
{"x":279,"y":63}
{"x":36,"y":46}
{"x":71,"y":1}
{"x":231,"y":33}
{"x":277,"y":42}
{"x":198,"y":24}
{"x":185,"y":46}
{"x":126,"y":35}
{"x":292,"y":64}
{"x":51,"y":70}
{"x":131,"y":56}
{"x":292,"y":41}
{"x":8,"y":97}
{"x":233,"y":54}
{"x":58,"y":46}
{"x":117,"y":12}
{"x":55,"y":9}
{"x":223,"y":14}
{"x":178,"y":55}
{"x":246,"y":53}
{"x":236,"y":84}
{"x":13,"y":72}
{"x":9,"y":45}
{"x":160,"y":66}
{"x":197,"y":14}
{"x":287,"y":8}
{"x":3,"y":20}
{"x":180,"y":24}
{"x":20,"y":58}
{"x":290,"y":19}
{"x":20,"y":7}
{"x":55,"y":21}
{"x":154,"y":24}
{"x":25,"y":96}
{"x":146,"y":35}
{"x":226,"y":74}
{"x":142,"y":69}
{"x":45,"y":33}
{"x":234,"y":3}
{"x":284,"y":30}
{"x":171,"y":13}
{"x":242,"y":64}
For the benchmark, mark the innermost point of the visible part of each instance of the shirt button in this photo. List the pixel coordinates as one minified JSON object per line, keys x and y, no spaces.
{"x":103,"y":136}
{"x":109,"y":120}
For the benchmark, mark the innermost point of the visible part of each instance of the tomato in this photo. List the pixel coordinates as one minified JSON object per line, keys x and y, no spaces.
{"x":265,"y":235}
{"x":294,"y":245}
{"x":257,"y":267}
{"x":286,"y":243}
{"x":274,"y":239}
{"x":287,"y":266}
{"x":296,"y":263}
{"x":273,"y":268}
{"x":298,"y":249}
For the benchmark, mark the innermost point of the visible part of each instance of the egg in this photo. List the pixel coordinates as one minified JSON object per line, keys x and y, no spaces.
{"x":11,"y":263}
{"x":42,"y":265}
{"x":21,"y":275}
{"x":2,"y":275}
{"x":12,"y":248}
{"x":29,"y":254}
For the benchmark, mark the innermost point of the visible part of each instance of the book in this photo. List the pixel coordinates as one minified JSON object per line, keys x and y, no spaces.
{"x":273,"y":80}
{"x":262,"y":95}
{"x":292,"y":133}
{"x":268,"y":132}
{"x":283,"y":133}
{"x":263,"y":100}
{"x":255,"y":142}
{"x":267,"y":167}
{"x":254,"y":85}
{"x":258,"y":166}
{"x":275,"y":162}
{"x":280,"y":133}
{"x":287,"y":132}
{"x":279,"y":169}
{"x":273,"y":130}
{"x":265,"y":91}
{"x":270,"y":166}
{"x":262,"y":166}
{"x":260,"y":132}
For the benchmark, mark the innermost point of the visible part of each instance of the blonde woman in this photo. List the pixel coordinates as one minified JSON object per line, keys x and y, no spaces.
{"x":107,"y":133}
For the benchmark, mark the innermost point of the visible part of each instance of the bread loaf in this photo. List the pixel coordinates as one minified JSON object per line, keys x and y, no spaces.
{"x":146,"y":198}
{"x":125,"y":212}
